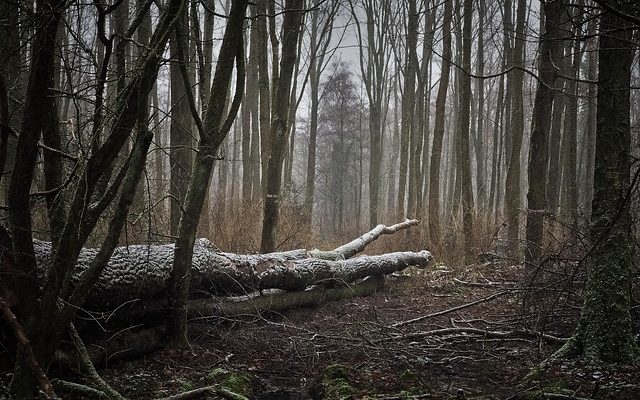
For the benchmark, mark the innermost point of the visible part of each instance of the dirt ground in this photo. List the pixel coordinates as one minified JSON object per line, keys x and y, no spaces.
{"x":350,"y":349}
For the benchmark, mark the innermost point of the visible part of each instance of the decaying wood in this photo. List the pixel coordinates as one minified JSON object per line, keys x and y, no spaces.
{"x":142,"y":271}
{"x":138,"y":341}
{"x":358,"y":245}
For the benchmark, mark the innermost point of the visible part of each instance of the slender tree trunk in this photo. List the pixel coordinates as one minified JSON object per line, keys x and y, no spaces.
{"x":464,"y":163}
{"x":408,"y":134}
{"x":278,"y":132}
{"x":481,"y":164}
{"x":570,"y":168}
{"x":512,"y":197}
{"x":590,"y":139}
{"x":539,"y":150}
{"x":215,"y":129}
{"x":438,"y":130}
{"x":263,"y":86}
{"x":180,"y":138}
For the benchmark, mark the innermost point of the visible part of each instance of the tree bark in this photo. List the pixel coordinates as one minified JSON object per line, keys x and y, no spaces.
{"x":512,"y":195}
{"x":464,"y":162}
{"x":278,"y":130}
{"x":539,"y":150}
{"x":605,"y":329}
{"x":438,"y":131}
{"x":408,"y":134}
{"x":214,"y":130}
{"x":180,"y":137}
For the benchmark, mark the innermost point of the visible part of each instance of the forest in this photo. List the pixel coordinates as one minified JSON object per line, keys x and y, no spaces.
{"x":319,"y":199}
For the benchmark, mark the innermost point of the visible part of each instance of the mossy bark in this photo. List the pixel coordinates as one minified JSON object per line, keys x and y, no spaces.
{"x":604,"y":332}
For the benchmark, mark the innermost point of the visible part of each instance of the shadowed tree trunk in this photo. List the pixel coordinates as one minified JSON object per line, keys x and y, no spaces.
{"x":605,"y":329}
{"x":408,"y":134}
{"x":438,"y":130}
{"x":464,"y":162}
{"x":180,"y":138}
{"x":570,"y":139}
{"x":512,"y":190}
{"x":539,"y":150}
{"x":212,"y":131}
{"x":278,"y":131}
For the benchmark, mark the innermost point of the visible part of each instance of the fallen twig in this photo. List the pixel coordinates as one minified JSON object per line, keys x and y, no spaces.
{"x":449,"y":310}
{"x":481,"y":332}
{"x":27,"y":351}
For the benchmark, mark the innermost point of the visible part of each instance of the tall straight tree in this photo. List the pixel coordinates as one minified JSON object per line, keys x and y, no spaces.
{"x":374,"y":54}
{"x":512,"y":191}
{"x":319,"y":39}
{"x":438,"y":130}
{"x":278,"y":131}
{"x":408,"y":133}
{"x":605,"y":329}
{"x":464,"y":161}
{"x":570,"y":138}
{"x":180,"y":135}
{"x":539,"y":150}
{"x":213,"y":130}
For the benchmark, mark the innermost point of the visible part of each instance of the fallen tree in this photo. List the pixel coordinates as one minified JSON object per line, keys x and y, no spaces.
{"x":141,"y":272}
{"x":129,"y":297}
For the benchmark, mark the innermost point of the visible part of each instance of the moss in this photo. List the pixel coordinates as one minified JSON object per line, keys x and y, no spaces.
{"x":185,"y":384}
{"x":235,"y":381}
{"x":335,"y":382}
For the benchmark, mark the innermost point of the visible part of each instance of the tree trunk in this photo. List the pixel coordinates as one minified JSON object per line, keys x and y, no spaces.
{"x":263,"y":87}
{"x":278,"y":131}
{"x":464,"y":163}
{"x":512,"y":197}
{"x":570,"y":142}
{"x":438,"y":131}
{"x":481,"y":162}
{"x":180,"y":138}
{"x":539,"y":150}
{"x":213,"y":132}
{"x":605,"y":329}
{"x":407,"y":127}
{"x":590,"y":135}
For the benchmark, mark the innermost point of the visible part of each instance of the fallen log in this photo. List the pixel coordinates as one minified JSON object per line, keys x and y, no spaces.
{"x":142,"y":339}
{"x":141,"y":271}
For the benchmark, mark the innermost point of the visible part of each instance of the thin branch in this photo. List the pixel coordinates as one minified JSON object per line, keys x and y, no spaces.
{"x":27,"y":351}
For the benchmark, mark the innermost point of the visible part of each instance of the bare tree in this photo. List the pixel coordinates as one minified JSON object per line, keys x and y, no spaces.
{"x":374,"y":54}
{"x":438,"y":130}
{"x":278,"y":131}
{"x":512,"y":198}
{"x":212,"y":131}
{"x":539,"y":150}
{"x":607,"y":301}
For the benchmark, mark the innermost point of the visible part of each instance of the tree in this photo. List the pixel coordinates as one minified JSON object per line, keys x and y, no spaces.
{"x":408,"y":129}
{"x":279,"y":129}
{"x":181,"y":135}
{"x":605,"y":329}
{"x":512,"y":190}
{"x":338,"y":127}
{"x":539,"y":150}
{"x":464,"y":163}
{"x":212,"y":131}
{"x":374,"y":55}
{"x":47,"y":310}
{"x":438,"y":130}
{"x":319,"y":38}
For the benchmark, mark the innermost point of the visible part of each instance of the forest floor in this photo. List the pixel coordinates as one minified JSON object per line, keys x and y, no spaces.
{"x":350,"y":349}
